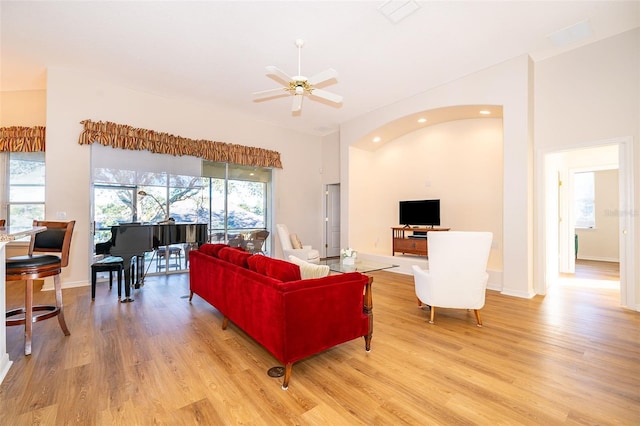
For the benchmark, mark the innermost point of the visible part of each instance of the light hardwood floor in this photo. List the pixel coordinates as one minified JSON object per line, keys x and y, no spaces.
{"x":572,"y":357}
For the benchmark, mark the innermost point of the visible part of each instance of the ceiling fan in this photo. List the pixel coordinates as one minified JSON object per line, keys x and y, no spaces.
{"x":298,"y":86}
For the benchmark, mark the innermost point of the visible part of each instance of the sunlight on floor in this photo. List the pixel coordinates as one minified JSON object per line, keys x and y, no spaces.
{"x":587,"y":283}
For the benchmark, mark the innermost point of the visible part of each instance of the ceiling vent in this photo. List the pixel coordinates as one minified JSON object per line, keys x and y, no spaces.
{"x":397,"y":10}
{"x":572,"y":34}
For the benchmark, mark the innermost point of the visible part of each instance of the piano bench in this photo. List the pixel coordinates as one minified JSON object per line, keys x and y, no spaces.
{"x":109,"y":264}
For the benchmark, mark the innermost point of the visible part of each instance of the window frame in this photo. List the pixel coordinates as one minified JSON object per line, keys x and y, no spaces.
{"x":9,"y":185}
{"x":584,"y":221}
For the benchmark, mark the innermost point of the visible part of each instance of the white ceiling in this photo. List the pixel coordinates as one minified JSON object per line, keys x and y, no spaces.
{"x":216,"y":51}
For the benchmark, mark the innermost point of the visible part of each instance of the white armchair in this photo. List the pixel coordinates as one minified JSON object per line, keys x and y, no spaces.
{"x":306,"y":252}
{"x":457,"y":275}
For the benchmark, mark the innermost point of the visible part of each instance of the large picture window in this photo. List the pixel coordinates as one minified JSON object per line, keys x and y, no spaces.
{"x":138,"y":186}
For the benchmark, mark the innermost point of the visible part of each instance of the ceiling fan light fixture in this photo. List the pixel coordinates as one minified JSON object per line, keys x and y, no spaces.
{"x":298,"y":86}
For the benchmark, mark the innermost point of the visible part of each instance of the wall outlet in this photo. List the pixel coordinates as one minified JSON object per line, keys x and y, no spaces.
{"x":61,"y":215}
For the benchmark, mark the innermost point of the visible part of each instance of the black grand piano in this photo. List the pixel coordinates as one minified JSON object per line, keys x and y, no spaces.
{"x":133,"y":240}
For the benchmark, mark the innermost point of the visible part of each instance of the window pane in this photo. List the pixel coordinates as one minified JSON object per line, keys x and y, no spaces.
{"x":26,"y":176}
{"x":26,"y":193}
{"x":152,"y":207}
{"x":584,"y":197}
{"x":25,"y":214}
{"x":26,"y":168}
{"x":186,"y":199}
{"x":218,"y":206}
{"x":246,"y":205}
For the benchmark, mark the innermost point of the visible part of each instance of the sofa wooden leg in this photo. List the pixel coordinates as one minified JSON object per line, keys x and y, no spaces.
{"x":225,"y":323}
{"x":190,"y":296}
{"x":419,"y":302}
{"x":433,"y":314}
{"x":367,"y":342}
{"x":475,"y":311}
{"x":287,"y":376}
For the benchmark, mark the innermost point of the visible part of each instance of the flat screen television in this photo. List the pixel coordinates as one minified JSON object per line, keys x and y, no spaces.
{"x":420,"y":213}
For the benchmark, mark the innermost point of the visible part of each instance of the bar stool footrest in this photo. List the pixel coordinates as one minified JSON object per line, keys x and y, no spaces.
{"x":51,"y":311}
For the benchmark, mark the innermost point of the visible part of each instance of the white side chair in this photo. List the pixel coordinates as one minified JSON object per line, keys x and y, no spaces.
{"x":457,"y":275}
{"x":306,"y":253}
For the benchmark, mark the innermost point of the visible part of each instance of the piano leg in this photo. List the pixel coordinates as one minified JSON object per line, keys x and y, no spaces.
{"x":139,"y":274}
{"x":127,"y":280}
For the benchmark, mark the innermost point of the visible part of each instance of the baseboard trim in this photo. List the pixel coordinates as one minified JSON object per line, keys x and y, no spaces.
{"x":598,"y":259}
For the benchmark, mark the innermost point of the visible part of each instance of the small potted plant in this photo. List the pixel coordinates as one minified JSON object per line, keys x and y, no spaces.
{"x":348,"y":256}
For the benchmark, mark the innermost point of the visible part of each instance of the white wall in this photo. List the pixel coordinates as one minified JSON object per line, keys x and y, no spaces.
{"x":23,"y":108}
{"x":331,"y":159}
{"x":591,"y":94}
{"x":73,"y":96}
{"x":507,"y":84}
{"x":458,"y":162}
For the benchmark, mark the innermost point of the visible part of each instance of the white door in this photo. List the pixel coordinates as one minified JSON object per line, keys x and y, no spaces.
{"x":332,"y":220}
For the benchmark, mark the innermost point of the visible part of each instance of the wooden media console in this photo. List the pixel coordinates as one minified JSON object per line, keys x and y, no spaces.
{"x":411,"y":243}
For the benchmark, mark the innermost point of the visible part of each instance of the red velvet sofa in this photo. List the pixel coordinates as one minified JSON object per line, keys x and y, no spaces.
{"x":291,"y":317}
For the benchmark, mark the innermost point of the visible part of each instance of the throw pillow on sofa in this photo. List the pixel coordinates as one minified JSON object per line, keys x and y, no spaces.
{"x":310,"y":270}
{"x":274,"y":268}
{"x":212,"y":249}
{"x":235,"y":256}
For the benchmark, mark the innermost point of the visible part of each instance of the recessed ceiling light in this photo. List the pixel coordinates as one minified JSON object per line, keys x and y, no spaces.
{"x":485,"y":112}
{"x":377,"y":139}
{"x":422,"y":120}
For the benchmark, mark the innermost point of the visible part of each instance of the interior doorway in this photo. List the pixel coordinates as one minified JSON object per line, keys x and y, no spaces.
{"x":557,"y":229}
{"x":332,"y":220}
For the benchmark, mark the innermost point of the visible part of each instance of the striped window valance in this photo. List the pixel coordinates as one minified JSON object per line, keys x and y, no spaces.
{"x":22,"y":139}
{"x":127,"y":137}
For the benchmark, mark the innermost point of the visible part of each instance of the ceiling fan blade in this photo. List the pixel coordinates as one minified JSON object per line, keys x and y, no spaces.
{"x":297,"y":103}
{"x":279,"y":74}
{"x":323,"y":76}
{"x":327,"y":95}
{"x":270,"y":93}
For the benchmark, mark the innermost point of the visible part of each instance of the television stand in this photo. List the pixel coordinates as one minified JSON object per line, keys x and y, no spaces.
{"x":409,"y":243}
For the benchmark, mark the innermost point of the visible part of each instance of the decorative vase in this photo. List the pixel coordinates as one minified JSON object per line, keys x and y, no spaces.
{"x":349,"y":260}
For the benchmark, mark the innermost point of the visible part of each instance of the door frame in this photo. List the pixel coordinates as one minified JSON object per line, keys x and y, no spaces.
{"x":328,"y":224}
{"x":548,"y":247}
